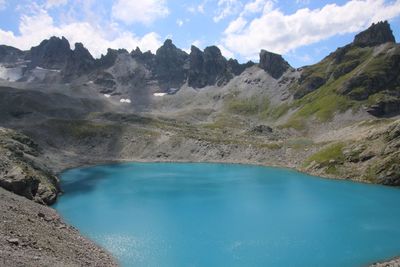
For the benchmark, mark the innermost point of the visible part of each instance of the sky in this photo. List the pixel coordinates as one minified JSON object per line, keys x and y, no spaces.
{"x":303,"y":31}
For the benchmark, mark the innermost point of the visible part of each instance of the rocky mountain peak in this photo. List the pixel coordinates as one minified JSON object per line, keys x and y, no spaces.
{"x":376,"y":34}
{"x":170,"y":65}
{"x":136,"y":52}
{"x":51,"y":53}
{"x":273,"y":64}
{"x":208,"y":67}
{"x":81,"y":52}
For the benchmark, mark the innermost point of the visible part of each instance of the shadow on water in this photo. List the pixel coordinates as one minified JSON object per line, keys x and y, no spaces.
{"x":83,"y":180}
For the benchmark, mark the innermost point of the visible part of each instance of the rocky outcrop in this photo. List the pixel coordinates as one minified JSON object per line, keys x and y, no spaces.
{"x":377,"y":34}
{"x":273,"y":64}
{"x":385,"y":108}
{"x":21,"y":172}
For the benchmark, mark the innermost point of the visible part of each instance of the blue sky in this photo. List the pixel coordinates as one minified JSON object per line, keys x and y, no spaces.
{"x":304,"y":31}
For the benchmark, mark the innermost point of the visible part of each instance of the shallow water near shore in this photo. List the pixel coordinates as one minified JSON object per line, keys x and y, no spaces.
{"x":199,"y":214}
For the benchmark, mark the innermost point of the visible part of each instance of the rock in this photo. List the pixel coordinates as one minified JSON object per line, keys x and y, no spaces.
{"x":20,"y":172}
{"x":262,"y":129}
{"x":376,"y":34}
{"x":385,"y":108}
{"x":273,"y":64}
{"x":308,"y":85}
{"x":393,"y":132}
{"x":19,"y":183}
{"x":14,"y":241}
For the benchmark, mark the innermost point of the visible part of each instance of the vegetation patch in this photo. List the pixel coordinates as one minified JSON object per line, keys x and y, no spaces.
{"x":331,"y":155}
{"x":248,"y":106}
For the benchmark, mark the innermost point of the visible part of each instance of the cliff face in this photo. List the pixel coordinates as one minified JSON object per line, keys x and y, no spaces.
{"x":208,"y":68}
{"x":171,"y":66}
{"x":273,"y":64}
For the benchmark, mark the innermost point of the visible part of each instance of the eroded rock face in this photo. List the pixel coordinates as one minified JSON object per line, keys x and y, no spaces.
{"x":377,"y":34}
{"x":21,"y":173}
{"x":273,"y":64}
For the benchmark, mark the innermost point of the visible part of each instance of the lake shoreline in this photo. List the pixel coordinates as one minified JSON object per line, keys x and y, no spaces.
{"x":116,"y":162}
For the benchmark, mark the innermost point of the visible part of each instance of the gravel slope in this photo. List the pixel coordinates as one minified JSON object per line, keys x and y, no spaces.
{"x":34,"y":235}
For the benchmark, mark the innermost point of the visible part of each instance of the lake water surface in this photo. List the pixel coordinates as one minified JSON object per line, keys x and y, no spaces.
{"x":178,"y":214}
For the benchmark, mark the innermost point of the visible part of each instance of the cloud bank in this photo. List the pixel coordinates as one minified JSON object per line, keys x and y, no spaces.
{"x":40,"y":25}
{"x":281,"y":33}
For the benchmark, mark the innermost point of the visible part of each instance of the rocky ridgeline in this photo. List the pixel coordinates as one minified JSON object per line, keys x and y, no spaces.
{"x":170,"y":66}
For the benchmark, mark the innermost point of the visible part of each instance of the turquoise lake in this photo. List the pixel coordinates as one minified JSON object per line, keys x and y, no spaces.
{"x":184,"y":214}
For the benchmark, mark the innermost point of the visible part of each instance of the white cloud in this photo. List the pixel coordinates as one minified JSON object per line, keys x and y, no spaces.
{"x":55,"y":3}
{"x":256,"y":6}
{"x":145,"y":11}
{"x":227,"y":8}
{"x":200,"y":8}
{"x":278,"y":32}
{"x":197,"y":43}
{"x":225,"y":52}
{"x":2,"y":4}
{"x":179,"y":22}
{"x":34,"y":28}
{"x":236,"y":26}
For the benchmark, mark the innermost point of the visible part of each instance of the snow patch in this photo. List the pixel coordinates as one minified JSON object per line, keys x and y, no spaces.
{"x":159,"y":94}
{"x":107,"y":95}
{"x":10,"y":74}
{"x":53,"y":70}
{"x":123,"y":100}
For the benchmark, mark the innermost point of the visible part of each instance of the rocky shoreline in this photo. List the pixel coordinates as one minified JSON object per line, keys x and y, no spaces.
{"x":36,"y":218}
